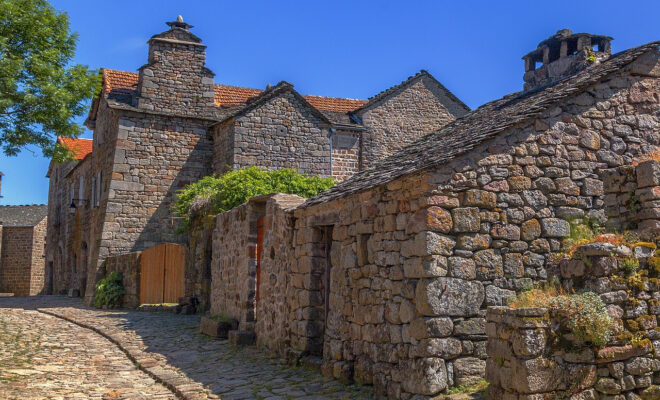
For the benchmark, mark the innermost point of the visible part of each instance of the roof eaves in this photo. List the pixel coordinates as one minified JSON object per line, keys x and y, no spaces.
{"x":465,"y":133}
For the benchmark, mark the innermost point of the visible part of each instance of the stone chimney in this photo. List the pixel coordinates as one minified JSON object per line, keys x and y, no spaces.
{"x":564,"y":54}
{"x":175,"y":79}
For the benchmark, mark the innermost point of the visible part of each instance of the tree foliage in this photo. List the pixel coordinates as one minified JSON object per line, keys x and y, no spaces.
{"x":214,"y":194}
{"x":41,"y":92}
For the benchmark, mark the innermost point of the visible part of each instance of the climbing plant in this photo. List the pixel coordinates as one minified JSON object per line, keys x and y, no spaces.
{"x":216,"y":193}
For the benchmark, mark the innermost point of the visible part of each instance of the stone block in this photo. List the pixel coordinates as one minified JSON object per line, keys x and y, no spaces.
{"x":466,"y":219}
{"x":425,"y":376}
{"x":241,"y":338}
{"x":217,"y":329}
{"x":449,"y":297}
{"x":555,"y":227}
{"x":648,"y":174}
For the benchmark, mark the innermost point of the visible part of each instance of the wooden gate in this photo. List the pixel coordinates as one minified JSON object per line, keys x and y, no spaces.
{"x":162,"y":274}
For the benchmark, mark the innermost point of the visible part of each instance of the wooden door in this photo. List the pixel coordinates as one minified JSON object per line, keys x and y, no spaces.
{"x":162,"y":274}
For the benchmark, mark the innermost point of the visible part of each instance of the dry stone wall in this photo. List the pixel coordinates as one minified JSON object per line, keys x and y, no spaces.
{"x":632,"y":199}
{"x":233,"y":267}
{"x":532,"y":353}
{"x":273,"y":305}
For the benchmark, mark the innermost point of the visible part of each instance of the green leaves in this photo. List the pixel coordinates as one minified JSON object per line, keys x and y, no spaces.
{"x":214,"y":194}
{"x":109,"y":291}
{"x":41,"y":93}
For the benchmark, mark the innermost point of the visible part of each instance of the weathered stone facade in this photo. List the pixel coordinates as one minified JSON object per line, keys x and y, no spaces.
{"x":170,"y":125}
{"x":531,"y":352}
{"x":22,"y":248}
{"x":393,"y":269}
{"x":395,"y":118}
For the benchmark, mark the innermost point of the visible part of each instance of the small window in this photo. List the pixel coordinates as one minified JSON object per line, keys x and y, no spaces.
{"x":80,"y":188}
{"x":92,"y":200}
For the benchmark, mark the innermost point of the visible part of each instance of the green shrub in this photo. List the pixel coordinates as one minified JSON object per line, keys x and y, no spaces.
{"x":215,"y":194}
{"x":584,"y":314}
{"x":586,"y":317}
{"x":109,"y":291}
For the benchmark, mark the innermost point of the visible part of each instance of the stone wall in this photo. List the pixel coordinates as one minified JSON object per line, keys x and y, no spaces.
{"x":175,"y":79}
{"x":283,"y":132}
{"x":345,"y":154}
{"x":632,"y":199}
{"x":129,"y":266}
{"x":38,"y":257}
{"x":532,"y":353}
{"x":416,"y":262}
{"x":401,"y":118}
{"x":22,"y":263}
{"x":146,"y":173}
{"x":198,"y":260}
{"x":274,"y":291}
{"x":233,"y":267}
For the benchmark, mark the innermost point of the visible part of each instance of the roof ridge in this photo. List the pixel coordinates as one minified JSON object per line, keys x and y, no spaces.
{"x":472,"y":129}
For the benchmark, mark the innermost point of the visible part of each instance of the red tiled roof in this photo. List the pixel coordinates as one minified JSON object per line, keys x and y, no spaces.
{"x":121,"y":82}
{"x":334,"y":104}
{"x":79,"y":147}
{"x":228,"y":96}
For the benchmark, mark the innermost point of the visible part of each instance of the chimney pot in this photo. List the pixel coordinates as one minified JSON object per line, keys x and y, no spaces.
{"x":563,"y":54}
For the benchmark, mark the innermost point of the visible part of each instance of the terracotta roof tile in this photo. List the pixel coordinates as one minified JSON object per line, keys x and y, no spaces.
{"x":229,"y":96}
{"x":122,"y":83}
{"x":79,"y":147}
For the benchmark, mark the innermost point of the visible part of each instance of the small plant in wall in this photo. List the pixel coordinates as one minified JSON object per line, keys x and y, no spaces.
{"x":109,"y":291}
{"x":591,"y":56}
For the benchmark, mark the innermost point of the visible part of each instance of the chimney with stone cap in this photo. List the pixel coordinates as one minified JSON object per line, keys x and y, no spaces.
{"x":175,"y":79}
{"x":562,"y":55}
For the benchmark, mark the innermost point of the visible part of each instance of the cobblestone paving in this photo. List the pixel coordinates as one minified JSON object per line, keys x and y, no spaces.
{"x":43,"y":357}
{"x":173,"y":344}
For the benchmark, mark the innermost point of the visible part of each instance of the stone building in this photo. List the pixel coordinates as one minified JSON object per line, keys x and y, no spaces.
{"x":169,"y":125}
{"x":22,"y":250}
{"x":386,"y":277}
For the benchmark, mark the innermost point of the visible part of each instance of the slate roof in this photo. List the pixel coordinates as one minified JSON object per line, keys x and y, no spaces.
{"x":411,"y":79}
{"x":121,"y":85}
{"x":78,"y":146}
{"x":28,"y":215}
{"x":477,"y":126}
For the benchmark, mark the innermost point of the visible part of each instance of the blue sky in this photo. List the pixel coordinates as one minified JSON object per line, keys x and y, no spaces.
{"x":338,"y":48}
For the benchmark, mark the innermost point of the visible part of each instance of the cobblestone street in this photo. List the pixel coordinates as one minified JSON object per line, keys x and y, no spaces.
{"x":43,"y":356}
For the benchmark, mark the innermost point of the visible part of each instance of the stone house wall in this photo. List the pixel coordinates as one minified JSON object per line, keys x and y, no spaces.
{"x":129,"y":266}
{"x":470,"y":234}
{"x":283,"y":132}
{"x":38,"y":269}
{"x":346,"y":148}
{"x":22,"y":263}
{"x":401,"y":118}
{"x":175,"y":79}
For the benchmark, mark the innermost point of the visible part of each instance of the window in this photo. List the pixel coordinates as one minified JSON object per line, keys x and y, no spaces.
{"x":80,"y":188}
{"x":73,"y":188}
{"x":92,"y":200}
